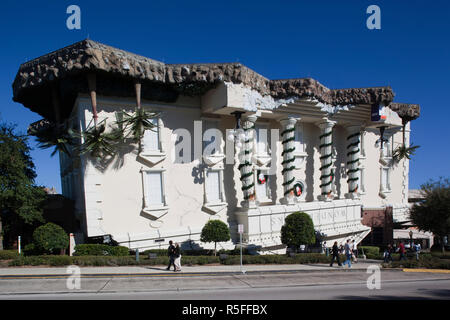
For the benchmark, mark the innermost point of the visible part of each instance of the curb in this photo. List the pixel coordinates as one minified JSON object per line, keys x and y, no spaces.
{"x":426,"y":270}
{"x":167,"y":274}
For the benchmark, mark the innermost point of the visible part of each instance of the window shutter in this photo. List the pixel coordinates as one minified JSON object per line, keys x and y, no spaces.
{"x":213,"y":186}
{"x":154,"y":188}
{"x":151,"y":137}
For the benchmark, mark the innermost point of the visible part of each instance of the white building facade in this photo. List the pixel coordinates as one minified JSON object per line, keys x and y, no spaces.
{"x":316,"y":152}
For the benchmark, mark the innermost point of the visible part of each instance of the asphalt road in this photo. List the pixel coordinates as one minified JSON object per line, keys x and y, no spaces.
{"x":264,"y":286}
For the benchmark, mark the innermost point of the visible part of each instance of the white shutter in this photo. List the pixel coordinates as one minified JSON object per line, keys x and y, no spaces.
{"x":213,"y":186}
{"x":385,"y":178}
{"x":298,"y":142}
{"x":154,"y":188}
{"x":261,"y":140}
{"x":151,"y":137}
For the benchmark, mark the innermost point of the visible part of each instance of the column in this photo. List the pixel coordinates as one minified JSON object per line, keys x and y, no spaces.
{"x":245,"y":159}
{"x":353,"y":152}
{"x":326,"y":161}
{"x":288,"y":142}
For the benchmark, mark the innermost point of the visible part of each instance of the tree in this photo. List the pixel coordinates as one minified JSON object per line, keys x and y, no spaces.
{"x":20,"y":199}
{"x":215,"y":231}
{"x":433,"y":213}
{"x":50,"y":237}
{"x":297,"y":230}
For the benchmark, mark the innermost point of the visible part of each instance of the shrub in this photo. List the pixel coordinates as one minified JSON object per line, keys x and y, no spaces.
{"x":50,"y":237}
{"x":100,"y":250}
{"x":369,"y":251}
{"x":8,"y":254}
{"x":297,"y":230}
{"x":303,"y":258}
{"x":215,"y":231}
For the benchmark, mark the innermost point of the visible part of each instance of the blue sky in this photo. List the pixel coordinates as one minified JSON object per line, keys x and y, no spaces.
{"x":325,"y":40}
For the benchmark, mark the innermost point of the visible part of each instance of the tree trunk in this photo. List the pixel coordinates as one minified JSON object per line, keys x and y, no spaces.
{"x":215,"y":246}
{"x":442,"y":245}
{"x":1,"y":234}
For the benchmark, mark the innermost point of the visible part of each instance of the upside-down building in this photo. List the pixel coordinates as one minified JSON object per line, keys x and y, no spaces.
{"x":282,"y":146}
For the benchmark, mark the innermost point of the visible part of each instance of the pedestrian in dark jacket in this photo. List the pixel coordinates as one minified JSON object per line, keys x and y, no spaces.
{"x":335,"y":254}
{"x":171,"y":254}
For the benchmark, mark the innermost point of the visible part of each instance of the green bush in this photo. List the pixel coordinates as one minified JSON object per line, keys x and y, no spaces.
{"x":100,"y":250}
{"x":215,"y":231}
{"x":427,"y":261}
{"x":302,"y":258}
{"x":49,"y":238}
{"x":8,"y":254}
{"x":369,"y":251}
{"x":297,"y":230}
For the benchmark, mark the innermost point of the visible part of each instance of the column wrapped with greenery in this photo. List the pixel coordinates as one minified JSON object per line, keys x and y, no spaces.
{"x":245,"y":155}
{"x":353,"y":151}
{"x":288,"y":142}
{"x":325,"y":147}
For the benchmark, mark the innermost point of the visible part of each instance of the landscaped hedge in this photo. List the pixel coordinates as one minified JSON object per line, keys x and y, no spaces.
{"x":100,"y":250}
{"x":426,"y":262}
{"x":8,"y":254}
{"x":369,"y":251}
{"x":198,"y":252}
{"x":164,"y":260}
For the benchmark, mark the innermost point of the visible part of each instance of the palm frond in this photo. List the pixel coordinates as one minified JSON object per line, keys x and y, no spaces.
{"x":136,"y":124}
{"x":53,"y":136}
{"x":402,"y":152}
{"x":99,"y":143}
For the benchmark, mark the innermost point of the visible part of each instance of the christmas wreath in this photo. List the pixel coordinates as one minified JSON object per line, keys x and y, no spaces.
{"x":262,"y":178}
{"x":298,"y":189}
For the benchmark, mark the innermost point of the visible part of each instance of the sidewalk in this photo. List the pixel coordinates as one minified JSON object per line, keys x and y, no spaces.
{"x":42,"y":272}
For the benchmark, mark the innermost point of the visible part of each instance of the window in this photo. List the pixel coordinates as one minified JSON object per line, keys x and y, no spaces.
{"x":387,"y":147}
{"x":155,"y":203}
{"x":299,"y":152}
{"x":261,"y":139}
{"x":214,"y":201}
{"x":262,"y":186}
{"x":212,"y":186}
{"x":151,"y":144}
{"x":299,"y":145}
{"x":151,"y":138}
{"x":154,"y":189}
{"x":385,"y":179}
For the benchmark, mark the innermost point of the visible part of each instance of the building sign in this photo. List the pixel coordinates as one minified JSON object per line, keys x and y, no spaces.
{"x":378,"y":113}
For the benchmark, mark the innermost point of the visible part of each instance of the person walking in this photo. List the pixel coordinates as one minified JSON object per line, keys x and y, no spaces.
{"x":354,"y":251}
{"x":388,"y":254}
{"x":171,"y":254}
{"x":335,"y":254}
{"x":402,"y":251}
{"x":348,"y":254}
{"x":177,"y":255}
{"x":417,"y":248}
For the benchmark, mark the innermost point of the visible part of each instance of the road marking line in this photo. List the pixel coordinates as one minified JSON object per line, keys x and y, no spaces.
{"x":427,"y":270}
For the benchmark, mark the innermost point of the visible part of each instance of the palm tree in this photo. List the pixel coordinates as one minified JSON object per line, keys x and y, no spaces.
{"x":403,"y":151}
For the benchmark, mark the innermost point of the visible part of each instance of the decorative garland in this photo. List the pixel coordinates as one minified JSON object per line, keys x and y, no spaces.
{"x":246,"y":165}
{"x":326,"y":163}
{"x":352,"y":163}
{"x":288,"y":159}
